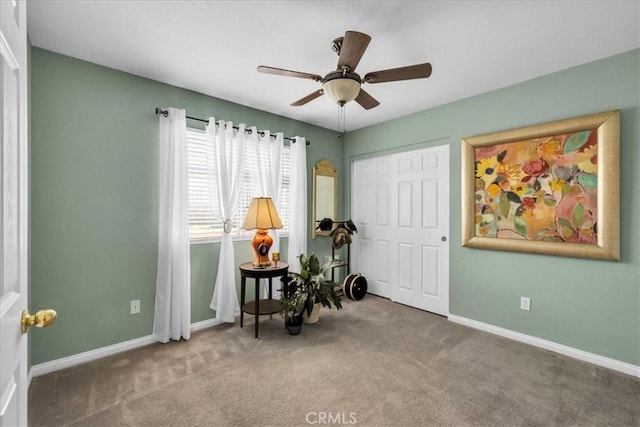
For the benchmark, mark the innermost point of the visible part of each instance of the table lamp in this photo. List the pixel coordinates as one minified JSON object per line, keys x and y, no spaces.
{"x":262,"y":216}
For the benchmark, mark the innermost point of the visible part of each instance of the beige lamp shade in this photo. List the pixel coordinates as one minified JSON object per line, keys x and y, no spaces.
{"x":262,"y":215}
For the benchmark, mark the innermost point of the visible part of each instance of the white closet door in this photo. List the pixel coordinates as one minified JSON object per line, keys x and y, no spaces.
{"x":401,"y":203}
{"x":372,"y":211}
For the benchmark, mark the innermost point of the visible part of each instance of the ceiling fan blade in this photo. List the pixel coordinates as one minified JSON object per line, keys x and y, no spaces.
{"x":367,"y":101}
{"x":418,"y":71}
{"x":353,"y":46}
{"x":288,"y":73}
{"x":308,"y":98}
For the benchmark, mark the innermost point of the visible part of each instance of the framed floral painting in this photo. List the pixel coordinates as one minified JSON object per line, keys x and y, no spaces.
{"x":549,"y":189}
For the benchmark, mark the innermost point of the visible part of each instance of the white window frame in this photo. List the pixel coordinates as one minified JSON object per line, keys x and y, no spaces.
{"x":199,"y":207}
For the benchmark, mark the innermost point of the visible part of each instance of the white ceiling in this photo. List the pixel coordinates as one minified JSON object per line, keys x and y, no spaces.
{"x":214,"y":47}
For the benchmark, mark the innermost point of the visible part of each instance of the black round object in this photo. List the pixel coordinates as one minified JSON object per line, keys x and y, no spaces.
{"x":263,"y":249}
{"x":354,"y":286}
{"x":325,"y":224}
{"x":346,"y":284}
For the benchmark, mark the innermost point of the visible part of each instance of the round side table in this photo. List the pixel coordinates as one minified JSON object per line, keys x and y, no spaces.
{"x":259,"y":306}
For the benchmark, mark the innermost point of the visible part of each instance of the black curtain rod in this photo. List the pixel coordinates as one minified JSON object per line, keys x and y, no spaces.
{"x":166,"y":114}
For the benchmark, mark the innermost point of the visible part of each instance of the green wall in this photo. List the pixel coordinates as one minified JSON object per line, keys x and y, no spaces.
{"x":94,"y":205}
{"x":94,"y":199}
{"x":585,"y":304}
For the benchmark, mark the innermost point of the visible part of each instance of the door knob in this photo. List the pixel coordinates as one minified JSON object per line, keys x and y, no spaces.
{"x":443,"y":238}
{"x":41,"y":319}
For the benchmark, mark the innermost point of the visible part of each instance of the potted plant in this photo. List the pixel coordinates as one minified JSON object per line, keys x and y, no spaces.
{"x":293,"y":299}
{"x":314,"y":290}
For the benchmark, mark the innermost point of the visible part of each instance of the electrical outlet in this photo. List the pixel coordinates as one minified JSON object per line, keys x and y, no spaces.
{"x":525,"y":303}
{"x":135,"y":306}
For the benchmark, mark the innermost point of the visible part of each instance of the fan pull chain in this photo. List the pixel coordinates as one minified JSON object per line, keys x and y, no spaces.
{"x":342,"y":119}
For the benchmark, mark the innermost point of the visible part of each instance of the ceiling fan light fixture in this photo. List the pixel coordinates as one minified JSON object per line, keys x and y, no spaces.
{"x":341,"y":87}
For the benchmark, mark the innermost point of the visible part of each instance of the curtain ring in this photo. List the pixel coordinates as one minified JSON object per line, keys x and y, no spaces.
{"x":227,"y":226}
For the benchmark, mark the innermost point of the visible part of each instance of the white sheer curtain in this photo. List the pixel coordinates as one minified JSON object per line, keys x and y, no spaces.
{"x":270,"y":161}
{"x":226,"y":150}
{"x":172,"y":315}
{"x":270,"y":167}
{"x":298,"y":206}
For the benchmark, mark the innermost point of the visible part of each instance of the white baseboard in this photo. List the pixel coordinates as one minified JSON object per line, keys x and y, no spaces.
{"x":88,"y":356}
{"x":205,"y":324}
{"x":99,"y":353}
{"x":606,"y":362}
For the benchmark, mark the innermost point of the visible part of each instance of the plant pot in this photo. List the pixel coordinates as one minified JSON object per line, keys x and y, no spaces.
{"x":293,"y":324}
{"x":315,"y":313}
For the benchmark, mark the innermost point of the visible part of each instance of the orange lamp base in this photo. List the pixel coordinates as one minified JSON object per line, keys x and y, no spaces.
{"x":261,"y":243}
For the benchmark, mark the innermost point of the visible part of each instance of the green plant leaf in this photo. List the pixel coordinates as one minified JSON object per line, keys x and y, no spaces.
{"x":331,"y":264}
{"x":504,"y":206}
{"x":521,"y":226}
{"x":578,"y":215}
{"x":513,"y":197}
{"x":565,"y":222}
{"x":501,"y":156}
{"x":314,"y":264}
{"x":310,"y":303}
{"x":575,"y":141}
{"x":588,"y":180}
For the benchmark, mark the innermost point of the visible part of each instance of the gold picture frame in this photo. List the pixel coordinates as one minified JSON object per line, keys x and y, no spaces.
{"x":552,"y":188}
{"x":325,"y":196}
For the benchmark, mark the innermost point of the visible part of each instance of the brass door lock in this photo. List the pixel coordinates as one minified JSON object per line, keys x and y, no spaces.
{"x":41,"y":319}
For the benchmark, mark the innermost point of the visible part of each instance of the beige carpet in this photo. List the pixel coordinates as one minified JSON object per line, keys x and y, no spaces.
{"x":374,"y":363}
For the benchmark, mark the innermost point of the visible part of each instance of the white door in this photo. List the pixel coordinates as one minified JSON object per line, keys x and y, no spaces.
{"x":371,"y":212}
{"x":13,"y":214}
{"x":401,"y":206}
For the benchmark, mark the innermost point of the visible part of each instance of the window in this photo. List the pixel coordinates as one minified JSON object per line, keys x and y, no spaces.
{"x":202,"y":224}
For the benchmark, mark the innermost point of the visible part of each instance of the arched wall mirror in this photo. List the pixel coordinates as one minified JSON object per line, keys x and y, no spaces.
{"x":325,"y":196}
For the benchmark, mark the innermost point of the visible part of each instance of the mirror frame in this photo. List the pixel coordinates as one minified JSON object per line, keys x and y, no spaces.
{"x":323,"y":168}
